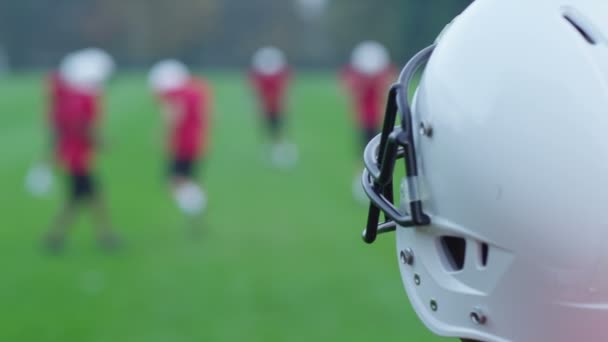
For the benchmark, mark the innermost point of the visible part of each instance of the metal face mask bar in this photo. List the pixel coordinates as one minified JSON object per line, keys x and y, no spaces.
{"x":382,"y":153}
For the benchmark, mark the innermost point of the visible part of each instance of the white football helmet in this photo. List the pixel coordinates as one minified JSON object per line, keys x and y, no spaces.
{"x":268,"y":60}
{"x":502,"y":229}
{"x":370,"y":58}
{"x":87,"y":69}
{"x":168,"y":75}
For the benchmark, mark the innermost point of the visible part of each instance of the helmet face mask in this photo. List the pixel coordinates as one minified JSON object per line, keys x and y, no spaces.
{"x":384,"y":151}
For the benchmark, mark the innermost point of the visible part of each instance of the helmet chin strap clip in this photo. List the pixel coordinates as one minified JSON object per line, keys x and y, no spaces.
{"x":382,"y":153}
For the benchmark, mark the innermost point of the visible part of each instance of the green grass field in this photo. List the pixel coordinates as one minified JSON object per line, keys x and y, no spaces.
{"x":279,"y":259}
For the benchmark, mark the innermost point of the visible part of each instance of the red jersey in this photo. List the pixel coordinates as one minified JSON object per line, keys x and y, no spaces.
{"x":190,"y":107}
{"x":368,"y":93}
{"x":270,"y":89}
{"x":73,"y":115}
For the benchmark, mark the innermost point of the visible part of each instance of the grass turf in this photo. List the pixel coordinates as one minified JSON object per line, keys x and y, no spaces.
{"x":279,"y":257}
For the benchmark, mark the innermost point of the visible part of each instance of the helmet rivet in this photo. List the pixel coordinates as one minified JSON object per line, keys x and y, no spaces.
{"x":434,"y":306}
{"x":478,"y":317}
{"x":426,"y":129}
{"x":416,"y":279}
{"x":407,"y":256}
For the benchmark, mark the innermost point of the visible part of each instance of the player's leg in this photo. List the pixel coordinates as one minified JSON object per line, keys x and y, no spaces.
{"x":88,"y":192}
{"x":283,"y":153}
{"x":274,"y":124}
{"x":180,"y":172}
{"x":56,"y":235}
{"x":106,"y":236}
{"x":188,"y":194}
{"x":55,"y":238}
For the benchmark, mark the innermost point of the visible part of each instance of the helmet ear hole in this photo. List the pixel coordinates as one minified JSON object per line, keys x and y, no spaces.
{"x":453,"y":251}
{"x":485,"y":250}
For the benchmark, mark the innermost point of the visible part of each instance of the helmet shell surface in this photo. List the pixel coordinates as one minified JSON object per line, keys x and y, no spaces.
{"x":87,"y":70}
{"x":514,"y":175}
{"x":370,"y":58}
{"x":269,"y":60}
{"x":168,"y":75}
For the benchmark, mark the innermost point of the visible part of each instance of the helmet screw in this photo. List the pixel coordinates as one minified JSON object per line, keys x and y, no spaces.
{"x":478,"y":317}
{"x":426,"y":129}
{"x":416,"y":279}
{"x":407,"y":256}
{"x":434,"y":306}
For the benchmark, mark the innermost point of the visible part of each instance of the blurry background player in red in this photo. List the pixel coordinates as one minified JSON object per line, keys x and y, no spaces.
{"x":186,"y":104}
{"x":75,"y":91}
{"x":269,"y":77}
{"x":366,"y":79}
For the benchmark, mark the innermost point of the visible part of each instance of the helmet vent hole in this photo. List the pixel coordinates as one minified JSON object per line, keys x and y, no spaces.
{"x":485,"y":250}
{"x":582,"y":25}
{"x":454,"y":251}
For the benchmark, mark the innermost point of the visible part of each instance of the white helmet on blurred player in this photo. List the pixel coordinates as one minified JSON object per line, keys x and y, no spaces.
{"x":502,"y":227}
{"x":101,"y":59}
{"x":269,"y":60}
{"x":87,"y":69}
{"x":370,"y":58}
{"x":168,"y":75}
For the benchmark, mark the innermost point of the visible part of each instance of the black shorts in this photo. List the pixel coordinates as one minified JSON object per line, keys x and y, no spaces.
{"x":82,"y":186}
{"x":274,"y":122}
{"x":185,"y":168}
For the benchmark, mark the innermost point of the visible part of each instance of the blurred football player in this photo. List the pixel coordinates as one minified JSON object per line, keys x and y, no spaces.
{"x":186,"y":105}
{"x":75,"y":92}
{"x":501,"y":220}
{"x":269,"y":76}
{"x":366,"y":80}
